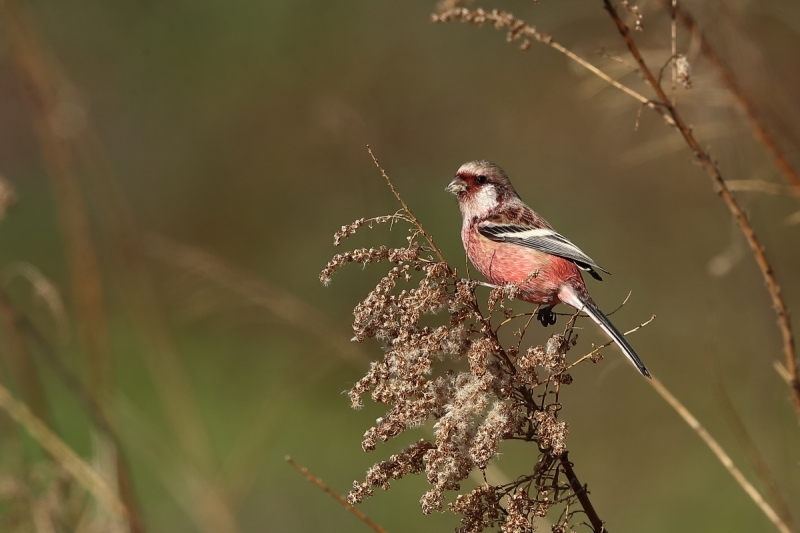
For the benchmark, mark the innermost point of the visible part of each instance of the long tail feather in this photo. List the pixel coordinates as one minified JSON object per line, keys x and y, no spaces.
{"x":571,"y":297}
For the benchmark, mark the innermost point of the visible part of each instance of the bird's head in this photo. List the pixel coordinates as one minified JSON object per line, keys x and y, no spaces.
{"x":480,"y":187}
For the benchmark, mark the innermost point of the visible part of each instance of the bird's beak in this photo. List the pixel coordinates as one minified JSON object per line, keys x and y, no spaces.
{"x":456,"y":186}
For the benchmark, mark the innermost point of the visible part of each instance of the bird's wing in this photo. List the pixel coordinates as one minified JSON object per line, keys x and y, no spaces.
{"x":542,"y":239}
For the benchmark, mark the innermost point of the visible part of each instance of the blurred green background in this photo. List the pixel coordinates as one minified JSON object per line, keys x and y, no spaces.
{"x":238,"y":130}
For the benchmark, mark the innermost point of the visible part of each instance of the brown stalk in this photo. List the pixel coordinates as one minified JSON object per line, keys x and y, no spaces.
{"x":72,"y":463}
{"x":582,"y":492}
{"x":318,"y":482}
{"x":21,"y":361}
{"x":746,"y":442}
{"x":782,"y":311}
{"x":723,"y":457}
{"x":518,"y":29}
{"x":758,"y":186}
{"x":96,"y":414}
{"x":414,"y":220}
{"x":262,"y":293}
{"x":162,"y":358}
{"x":674,"y":57}
{"x":742,"y":100}
{"x":35,"y":69}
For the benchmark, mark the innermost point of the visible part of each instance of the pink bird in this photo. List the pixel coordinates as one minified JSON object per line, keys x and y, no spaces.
{"x":508,"y":242}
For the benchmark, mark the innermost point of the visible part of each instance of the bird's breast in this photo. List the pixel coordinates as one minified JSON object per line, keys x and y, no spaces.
{"x":539,"y":275}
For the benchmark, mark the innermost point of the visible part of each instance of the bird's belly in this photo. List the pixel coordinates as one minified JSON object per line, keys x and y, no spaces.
{"x":538,"y":275}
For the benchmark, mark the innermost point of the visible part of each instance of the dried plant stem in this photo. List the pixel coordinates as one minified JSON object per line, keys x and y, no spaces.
{"x":64,"y":156}
{"x":710,"y":167}
{"x":82,"y":472}
{"x":582,"y":492}
{"x":746,"y":442}
{"x":723,"y":457}
{"x":518,"y":28}
{"x":476,"y":409}
{"x":599,"y":73}
{"x":21,"y":362}
{"x":96,"y":414}
{"x":609,"y":343}
{"x":160,"y":351}
{"x":406,"y":208}
{"x":674,"y":57}
{"x":259,"y":292}
{"x":741,"y":99}
{"x":33,"y":67}
{"x":318,"y":482}
{"x":758,"y":186}
{"x":36,"y":69}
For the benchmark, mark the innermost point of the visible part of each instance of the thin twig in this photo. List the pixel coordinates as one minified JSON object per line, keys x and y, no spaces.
{"x":723,"y":457}
{"x":76,"y":386}
{"x":21,"y":362}
{"x":43,"y":87}
{"x":674,"y":58}
{"x":782,"y":311}
{"x":262,"y":293}
{"x":782,"y":372}
{"x":743,"y":101}
{"x":759,"y":186}
{"x":82,"y":472}
{"x":416,"y":222}
{"x":609,"y":343}
{"x":34,"y":68}
{"x":747,"y":443}
{"x":318,"y":482}
{"x":582,"y":492}
{"x":518,"y":28}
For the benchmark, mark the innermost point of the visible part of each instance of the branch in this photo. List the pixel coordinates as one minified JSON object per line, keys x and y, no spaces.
{"x":710,"y":167}
{"x":519,"y":29}
{"x":318,"y":482}
{"x":723,"y":457}
{"x":758,"y":186}
{"x":746,"y":442}
{"x":84,"y":474}
{"x":583,"y":495}
{"x":741,"y":99}
{"x":414,"y":220}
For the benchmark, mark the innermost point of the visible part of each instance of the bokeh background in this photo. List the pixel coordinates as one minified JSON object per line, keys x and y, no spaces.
{"x":218,"y":145}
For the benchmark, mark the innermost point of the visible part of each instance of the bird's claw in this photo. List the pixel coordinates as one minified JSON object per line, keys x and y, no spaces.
{"x":546,"y":316}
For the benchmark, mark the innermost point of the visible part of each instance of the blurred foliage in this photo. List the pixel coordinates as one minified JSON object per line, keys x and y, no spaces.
{"x":240,"y":128}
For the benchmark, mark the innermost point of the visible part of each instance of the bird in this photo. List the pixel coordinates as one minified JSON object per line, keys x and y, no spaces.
{"x":508,"y":242}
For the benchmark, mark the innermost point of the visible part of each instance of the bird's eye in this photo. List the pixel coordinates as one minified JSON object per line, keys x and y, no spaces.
{"x":481,"y":180}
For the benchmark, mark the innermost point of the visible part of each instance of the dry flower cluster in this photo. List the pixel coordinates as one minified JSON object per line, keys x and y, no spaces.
{"x":477,"y":392}
{"x":517,"y":29}
{"x":453,"y":370}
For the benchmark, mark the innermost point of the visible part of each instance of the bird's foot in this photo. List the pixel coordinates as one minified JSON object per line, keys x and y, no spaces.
{"x":546,"y":316}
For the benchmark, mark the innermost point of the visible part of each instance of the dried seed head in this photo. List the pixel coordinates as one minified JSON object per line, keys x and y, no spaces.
{"x":519,"y":507}
{"x":552,"y":433}
{"x":474,"y":409}
{"x":481,"y":508}
{"x":509,"y":291}
{"x":409,"y":461}
{"x":636,"y":13}
{"x":684,"y":71}
{"x":501,"y":422}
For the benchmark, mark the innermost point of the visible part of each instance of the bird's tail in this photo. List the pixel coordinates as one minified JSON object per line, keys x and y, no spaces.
{"x":571,"y":297}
